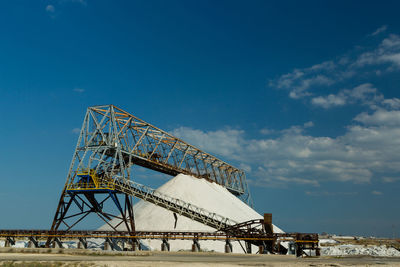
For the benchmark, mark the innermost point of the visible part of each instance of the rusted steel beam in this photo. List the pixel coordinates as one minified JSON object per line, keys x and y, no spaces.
{"x":310,"y":238}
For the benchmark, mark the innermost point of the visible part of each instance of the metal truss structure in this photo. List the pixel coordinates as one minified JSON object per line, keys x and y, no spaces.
{"x":111,"y":133}
{"x":265,"y":241}
{"x":111,"y":141}
{"x":178,"y":206}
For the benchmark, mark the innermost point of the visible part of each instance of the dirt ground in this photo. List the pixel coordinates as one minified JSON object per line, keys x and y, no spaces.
{"x":71,"y":257}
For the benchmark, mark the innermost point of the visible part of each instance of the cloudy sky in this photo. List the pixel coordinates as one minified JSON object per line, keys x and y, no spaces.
{"x":302,"y":96}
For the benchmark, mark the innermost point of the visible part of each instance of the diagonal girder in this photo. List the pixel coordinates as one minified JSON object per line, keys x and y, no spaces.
{"x":129,"y":140}
{"x":111,"y":141}
{"x":178,"y":206}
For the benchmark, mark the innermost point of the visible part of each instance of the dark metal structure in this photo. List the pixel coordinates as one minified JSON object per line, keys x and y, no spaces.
{"x":111,"y":141}
{"x":302,"y":241}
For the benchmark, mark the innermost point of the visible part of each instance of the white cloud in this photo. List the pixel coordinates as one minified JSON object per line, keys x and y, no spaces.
{"x":380,"y":117}
{"x":50,"y":8}
{"x":79,"y":90}
{"x":364,"y":94}
{"x":225,"y":141}
{"x":329,"y":194}
{"x":377,"y":193}
{"x":329,"y":100}
{"x":308,"y":124}
{"x":368,"y":150}
{"x":379,"y":30}
{"x":301,"y":89}
{"x":388,"y":52}
{"x":306,"y":82}
{"x":393,"y":103}
{"x":267,"y":131}
{"x":387,"y":179}
{"x":245,"y":167}
{"x":76,"y":130}
{"x":362,"y":91}
{"x":82,"y":2}
{"x":300,"y":81}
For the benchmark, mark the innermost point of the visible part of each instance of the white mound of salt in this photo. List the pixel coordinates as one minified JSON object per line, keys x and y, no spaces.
{"x":209,"y":196}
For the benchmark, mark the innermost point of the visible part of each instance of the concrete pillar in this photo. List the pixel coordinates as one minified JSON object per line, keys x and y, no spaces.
{"x":82,"y":243}
{"x":33,"y":243}
{"x":165,"y":245}
{"x":248,"y":247}
{"x":57,"y":243}
{"x":10,"y":241}
{"x":128,"y":246}
{"x":118,"y":244}
{"x":299,"y":249}
{"x":136,"y":245}
{"x":228,"y":246}
{"x":124,"y":245}
{"x":261,"y":249}
{"x":317,"y":252}
{"x":195,"y":245}
{"x":107,"y":246}
{"x":292,"y":248}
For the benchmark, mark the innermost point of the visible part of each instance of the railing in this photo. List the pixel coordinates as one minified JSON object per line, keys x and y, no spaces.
{"x":131,"y":140}
{"x":173,"y":204}
{"x":91,"y":186}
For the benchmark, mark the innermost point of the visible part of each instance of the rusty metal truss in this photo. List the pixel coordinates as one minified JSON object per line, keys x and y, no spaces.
{"x":111,"y":141}
{"x":178,"y":206}
{"x":265,"y":241}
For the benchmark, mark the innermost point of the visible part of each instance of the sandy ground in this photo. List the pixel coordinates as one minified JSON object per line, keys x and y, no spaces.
{"x":70,"y":257}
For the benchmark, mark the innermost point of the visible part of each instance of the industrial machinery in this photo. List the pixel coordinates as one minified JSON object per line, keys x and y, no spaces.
{"x":111,"y":141}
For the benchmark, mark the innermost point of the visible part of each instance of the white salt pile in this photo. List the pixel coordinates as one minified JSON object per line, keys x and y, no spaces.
{"x":327,"y":241}
{"x":209,"y":196}
{"x":346,"y":250}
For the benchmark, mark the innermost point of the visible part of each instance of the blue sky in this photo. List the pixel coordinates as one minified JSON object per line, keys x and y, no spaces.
{"x":303,"y":96}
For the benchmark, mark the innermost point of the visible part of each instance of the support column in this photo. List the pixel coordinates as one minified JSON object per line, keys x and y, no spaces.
{"x":136,"y":245}
{"x":165,"y":245}
{"x":299,"y":249}
{"x":57,"y":243}
{"x":33,"y":243}
{"x":195,"y":245}
{"x":248,"y":247}
{"x":292,"y":248}
{"x":112,"y":244}
{"x":82,"y":244}
{"x":228,"y":246}
{"x":268,"y":228}
{"x":10,"y":241}
{"x":317,"y":251}
{"x":107,"y":244}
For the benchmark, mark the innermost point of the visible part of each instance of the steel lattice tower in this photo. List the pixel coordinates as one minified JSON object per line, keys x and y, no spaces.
{"x":111,"y":141}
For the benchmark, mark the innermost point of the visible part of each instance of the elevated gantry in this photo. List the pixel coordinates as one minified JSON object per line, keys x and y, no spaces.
{"x":111,"y":141}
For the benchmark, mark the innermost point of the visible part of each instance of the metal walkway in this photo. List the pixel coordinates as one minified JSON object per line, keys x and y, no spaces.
{"x":265,"y":242}
{"x":111,"y":141}
{"x":297,"y":237}
{"x":151,"y":195}
{"x":173,"y":204}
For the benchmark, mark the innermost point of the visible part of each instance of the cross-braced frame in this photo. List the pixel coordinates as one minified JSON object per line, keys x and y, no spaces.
{"x":111,"y":141}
